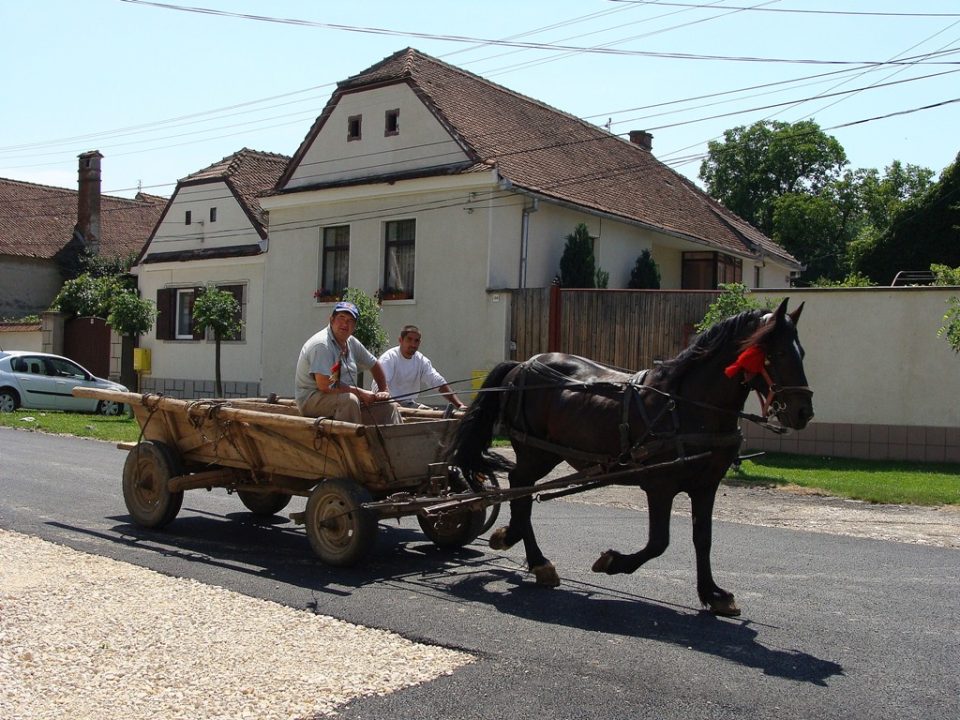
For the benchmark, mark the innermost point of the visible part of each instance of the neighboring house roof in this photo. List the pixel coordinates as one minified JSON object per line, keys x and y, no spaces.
{"x":551,"y":153}
{"x":248,"y":173}
{"x":38,"y":220}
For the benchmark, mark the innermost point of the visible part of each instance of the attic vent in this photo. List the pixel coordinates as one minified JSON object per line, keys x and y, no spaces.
{"x":391,"y":125}
{"x":353,"y":127}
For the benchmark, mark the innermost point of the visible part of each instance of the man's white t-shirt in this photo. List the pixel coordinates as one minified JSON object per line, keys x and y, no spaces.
{"x":406,"y":377}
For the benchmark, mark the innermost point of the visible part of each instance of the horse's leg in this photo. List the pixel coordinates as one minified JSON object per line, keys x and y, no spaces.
{"x":711,"y":595}
{"x":659,"y":502}
{"x":530,"y":467}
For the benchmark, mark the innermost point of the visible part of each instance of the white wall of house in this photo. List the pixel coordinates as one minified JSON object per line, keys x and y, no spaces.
{"x":16,"y":338}
{"x":873,"y":356}
{"x":421,"y":143}
{"x":193,"y":359}
{"x":231,"y":226}
{"x":27,"y":285}
{"x":464,"y":326}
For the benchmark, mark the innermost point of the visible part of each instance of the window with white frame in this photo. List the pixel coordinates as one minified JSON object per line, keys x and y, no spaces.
{"x":399,"y":259}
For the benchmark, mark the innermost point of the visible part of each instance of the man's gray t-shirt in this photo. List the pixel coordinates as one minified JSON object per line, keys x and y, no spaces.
{"x":321,"y":354}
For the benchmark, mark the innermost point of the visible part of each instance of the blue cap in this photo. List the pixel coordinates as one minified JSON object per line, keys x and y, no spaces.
{"x":347,"y":307}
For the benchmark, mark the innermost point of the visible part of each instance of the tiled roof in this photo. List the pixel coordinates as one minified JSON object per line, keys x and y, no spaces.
{"x":554,"y":154}
{"x":38,"y":220}
{"x":249,"y":173}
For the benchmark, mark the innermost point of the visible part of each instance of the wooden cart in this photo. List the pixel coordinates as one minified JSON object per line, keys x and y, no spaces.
{"x":266,"y":452}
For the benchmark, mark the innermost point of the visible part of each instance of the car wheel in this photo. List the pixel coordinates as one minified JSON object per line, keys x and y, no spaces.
{"x":9,"y":400}
{"x":110,"y":408}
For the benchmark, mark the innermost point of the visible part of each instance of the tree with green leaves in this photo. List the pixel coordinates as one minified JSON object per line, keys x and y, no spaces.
{"x":219,"y":311}
{"x":753,"y":166}
{"x":577,"y":264}
{"x":734,"y":298}
{"x":923,"y":229}
{"x":369,"y":330}
{"x":645,"y":274}
{"x":950,"y":330}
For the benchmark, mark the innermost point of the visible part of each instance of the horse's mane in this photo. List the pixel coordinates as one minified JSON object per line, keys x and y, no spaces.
{"x":743,"y":330}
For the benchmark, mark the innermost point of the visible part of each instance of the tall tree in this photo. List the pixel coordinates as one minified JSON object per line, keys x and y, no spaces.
{"x":754,"y":165}
{"x":923,"y":230}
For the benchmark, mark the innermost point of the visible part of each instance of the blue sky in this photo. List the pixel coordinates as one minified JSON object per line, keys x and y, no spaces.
{"x":164,"y":92}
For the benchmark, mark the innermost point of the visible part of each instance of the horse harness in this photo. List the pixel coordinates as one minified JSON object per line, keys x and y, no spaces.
{"x":632,"y":454}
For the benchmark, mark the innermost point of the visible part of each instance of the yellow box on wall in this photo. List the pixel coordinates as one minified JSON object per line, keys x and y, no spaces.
{"x":141,"y":359}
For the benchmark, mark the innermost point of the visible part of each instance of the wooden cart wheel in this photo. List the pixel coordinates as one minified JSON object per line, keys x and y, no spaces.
{"x":260,"y":503}
{"x":493,"y":512}
{"x":146,"y":471}
{"x":453,"y":529}
{"x":340,"y":531}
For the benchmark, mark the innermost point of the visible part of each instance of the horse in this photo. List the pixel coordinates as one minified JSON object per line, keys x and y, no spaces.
{"x":672,"y":429}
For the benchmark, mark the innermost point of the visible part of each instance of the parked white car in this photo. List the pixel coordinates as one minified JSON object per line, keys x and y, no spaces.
{"x":42,"y":381}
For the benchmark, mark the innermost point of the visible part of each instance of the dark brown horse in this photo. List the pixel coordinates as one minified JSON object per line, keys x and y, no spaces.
{"x":676,"y":425}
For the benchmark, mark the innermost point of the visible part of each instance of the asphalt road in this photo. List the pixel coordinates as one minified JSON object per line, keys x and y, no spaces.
{"x":832,"y":626}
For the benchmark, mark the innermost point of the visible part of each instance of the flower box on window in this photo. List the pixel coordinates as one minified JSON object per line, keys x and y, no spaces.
{"x":322,"y":295}
{"x":394,"y":294}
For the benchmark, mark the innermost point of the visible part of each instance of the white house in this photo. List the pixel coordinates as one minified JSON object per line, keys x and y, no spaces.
{"x":212,"y":232}
{"x":441,"y":190}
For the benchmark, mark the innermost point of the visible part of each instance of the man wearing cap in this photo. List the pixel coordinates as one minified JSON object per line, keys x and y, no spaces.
{"x":327,"y":369}
{"x":408,"y":371}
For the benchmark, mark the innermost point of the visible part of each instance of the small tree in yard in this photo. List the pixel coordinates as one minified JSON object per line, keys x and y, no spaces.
{"x":218,"y":310}
{"x":734,"y":298}
{"x":645,"y":274}
{"x":577,"y":264}
{"x":369,"y":330}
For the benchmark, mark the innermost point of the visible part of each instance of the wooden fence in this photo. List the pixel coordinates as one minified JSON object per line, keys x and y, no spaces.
{"x":630,"y":329}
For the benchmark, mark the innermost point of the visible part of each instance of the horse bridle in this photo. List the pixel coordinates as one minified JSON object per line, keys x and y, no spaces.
{"x":770,"y":399}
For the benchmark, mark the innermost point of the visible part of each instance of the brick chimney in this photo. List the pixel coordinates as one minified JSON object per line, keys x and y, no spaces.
{"x":88,"y":200}
{"x":642,"y":138}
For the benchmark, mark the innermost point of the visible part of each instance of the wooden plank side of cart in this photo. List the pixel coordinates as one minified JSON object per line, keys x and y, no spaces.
{"x":274,"y":439}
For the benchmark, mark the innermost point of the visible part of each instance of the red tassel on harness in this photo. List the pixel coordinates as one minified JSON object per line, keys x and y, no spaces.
{"x":750,"y":360}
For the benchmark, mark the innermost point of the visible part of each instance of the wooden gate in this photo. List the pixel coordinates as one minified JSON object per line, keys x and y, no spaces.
{"x":87,"y":340}
{"x":629,"y":329}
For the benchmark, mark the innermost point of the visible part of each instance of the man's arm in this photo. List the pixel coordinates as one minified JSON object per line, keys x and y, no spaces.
{"x":451,"y":396}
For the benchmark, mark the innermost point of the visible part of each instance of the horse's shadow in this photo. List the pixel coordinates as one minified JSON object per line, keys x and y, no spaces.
{"x":592,"y":608}
{"x":269,"y":548}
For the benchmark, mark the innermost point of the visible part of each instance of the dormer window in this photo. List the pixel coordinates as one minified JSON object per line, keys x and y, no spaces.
{"x":187,"y":217}
{"x":353,"y":127}
{"x":391,"y":125}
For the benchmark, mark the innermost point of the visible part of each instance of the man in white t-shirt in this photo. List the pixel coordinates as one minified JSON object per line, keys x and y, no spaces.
{"x":407,"y":371}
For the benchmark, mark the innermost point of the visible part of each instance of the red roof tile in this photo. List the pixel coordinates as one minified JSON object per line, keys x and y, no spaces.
{"x":38,"y":220}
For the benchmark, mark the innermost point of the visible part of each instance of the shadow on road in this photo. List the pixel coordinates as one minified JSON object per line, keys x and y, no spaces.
{"x":273,"y":549}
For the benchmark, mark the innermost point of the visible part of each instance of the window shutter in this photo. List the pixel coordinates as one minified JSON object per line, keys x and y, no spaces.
{"x":167,"y":313}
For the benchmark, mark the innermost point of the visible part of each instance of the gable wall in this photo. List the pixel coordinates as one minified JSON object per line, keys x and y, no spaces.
{"x":421,"y":143}
{"x":232,"y":226}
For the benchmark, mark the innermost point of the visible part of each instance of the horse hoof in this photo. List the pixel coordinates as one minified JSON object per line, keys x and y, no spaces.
{"x":498,"y":539}
{"x":725,"y":607}
{"x":546,"y":575}
{"x":603,"y":563}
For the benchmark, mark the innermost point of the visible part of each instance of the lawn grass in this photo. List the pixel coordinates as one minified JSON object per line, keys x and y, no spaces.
{"x":122,"y":428}
{"x":878,"y":481}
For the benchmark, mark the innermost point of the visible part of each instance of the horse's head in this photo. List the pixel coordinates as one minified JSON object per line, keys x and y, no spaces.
{"x":783,"y":380}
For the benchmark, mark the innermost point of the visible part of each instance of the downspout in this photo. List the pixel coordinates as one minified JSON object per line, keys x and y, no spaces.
{"x":524,"y":241}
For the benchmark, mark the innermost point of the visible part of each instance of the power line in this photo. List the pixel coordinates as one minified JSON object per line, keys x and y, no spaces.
{"x":854,"y":13}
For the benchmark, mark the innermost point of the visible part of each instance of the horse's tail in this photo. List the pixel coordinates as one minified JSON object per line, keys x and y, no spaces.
{"x":471,"y":443}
